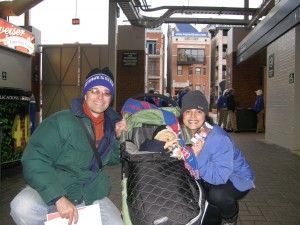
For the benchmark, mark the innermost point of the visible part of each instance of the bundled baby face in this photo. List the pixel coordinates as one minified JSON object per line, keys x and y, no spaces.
{"x":165,"y":136}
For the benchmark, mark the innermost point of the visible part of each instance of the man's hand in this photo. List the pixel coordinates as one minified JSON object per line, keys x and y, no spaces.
{"x":120,"y":126}
{"x":67,"y":210}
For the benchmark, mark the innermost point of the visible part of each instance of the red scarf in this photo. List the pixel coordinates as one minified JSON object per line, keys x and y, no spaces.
{"x":97,"y":121}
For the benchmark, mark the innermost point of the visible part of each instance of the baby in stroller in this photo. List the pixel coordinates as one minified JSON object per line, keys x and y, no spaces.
{"x":164,"y":139}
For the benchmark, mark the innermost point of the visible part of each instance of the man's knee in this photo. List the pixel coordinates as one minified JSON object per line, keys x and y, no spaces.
{"x":21,"y":205}
{"x":27,"y":207}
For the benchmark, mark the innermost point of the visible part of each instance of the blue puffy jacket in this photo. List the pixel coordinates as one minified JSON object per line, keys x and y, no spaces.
{"x":220,"y":160}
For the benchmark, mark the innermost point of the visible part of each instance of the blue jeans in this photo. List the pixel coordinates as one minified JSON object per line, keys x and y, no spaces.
{"x":28,"y":208}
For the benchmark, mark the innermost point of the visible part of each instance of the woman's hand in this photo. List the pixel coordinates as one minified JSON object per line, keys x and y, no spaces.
{"x":67,"y":210}
{"x":197,"y":147}
{"x":120,"y":126}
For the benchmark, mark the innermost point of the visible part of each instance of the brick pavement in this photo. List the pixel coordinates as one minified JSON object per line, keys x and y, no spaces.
{"x":274,"y":201}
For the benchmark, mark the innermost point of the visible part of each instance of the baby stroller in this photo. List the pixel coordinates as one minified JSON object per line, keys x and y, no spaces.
{"x":156,"y":188}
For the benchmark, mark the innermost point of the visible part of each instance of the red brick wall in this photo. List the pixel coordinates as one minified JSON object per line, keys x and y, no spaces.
{"x":245,"y":79}
{"x":130,"y":80}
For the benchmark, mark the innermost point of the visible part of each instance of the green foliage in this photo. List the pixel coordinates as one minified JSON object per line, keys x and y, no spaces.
{"x":8,"y":110}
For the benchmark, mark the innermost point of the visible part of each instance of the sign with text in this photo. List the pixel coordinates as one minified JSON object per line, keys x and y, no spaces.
{"x":191,"y":34}
{"x":16,"y":38}
{"x":130,"y":59}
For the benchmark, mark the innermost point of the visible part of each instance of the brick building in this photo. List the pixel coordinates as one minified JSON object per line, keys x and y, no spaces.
{"x":188,"y":62}
{"x":155,"y":52}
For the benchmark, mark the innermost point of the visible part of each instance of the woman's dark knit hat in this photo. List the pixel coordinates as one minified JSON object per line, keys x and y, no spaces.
{"x":194,"y":100}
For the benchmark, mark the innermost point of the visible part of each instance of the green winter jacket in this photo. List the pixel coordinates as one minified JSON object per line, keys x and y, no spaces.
{"x":59,"y":160}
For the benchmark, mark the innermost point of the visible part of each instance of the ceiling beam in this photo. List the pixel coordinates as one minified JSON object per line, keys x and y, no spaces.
{"x":132,"y":8}
{"x":17,"y":7}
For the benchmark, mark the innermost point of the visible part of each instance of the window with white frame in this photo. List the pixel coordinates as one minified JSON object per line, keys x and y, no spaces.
{"x":179,"y":70}
{"x":198,"y":70}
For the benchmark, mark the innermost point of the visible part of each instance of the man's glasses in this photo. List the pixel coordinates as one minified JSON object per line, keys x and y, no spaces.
{"x":96,"y":91}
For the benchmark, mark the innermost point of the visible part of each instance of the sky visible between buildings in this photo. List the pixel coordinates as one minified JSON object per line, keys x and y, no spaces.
{"x":54,"y":18}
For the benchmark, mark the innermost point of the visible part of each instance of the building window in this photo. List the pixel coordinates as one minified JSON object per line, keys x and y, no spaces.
{"x":190,"y":71}
{"x":152,"y":68}
{"x":190,"y":56}
{"x":179,"y":70}
{"x":198,"y":71}
{"x":204,"y":71}
{"x":151,"y":46}
{"x":223,"y":72}
{"x":152,"y":85}
{"x":224,"y":52}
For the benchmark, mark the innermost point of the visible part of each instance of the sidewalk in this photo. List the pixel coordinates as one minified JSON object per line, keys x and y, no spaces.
{"x":274,"y":201}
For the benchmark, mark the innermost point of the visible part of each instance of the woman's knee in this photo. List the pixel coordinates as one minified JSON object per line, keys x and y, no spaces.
{"x":218,"y":197}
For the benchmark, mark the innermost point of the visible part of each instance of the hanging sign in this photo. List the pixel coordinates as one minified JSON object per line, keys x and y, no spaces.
{"x":16,"y":38}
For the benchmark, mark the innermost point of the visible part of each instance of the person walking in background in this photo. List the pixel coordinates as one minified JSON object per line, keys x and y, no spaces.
{"x":156,"y":99}
{"x":259,"y":109}
{"x":222,"y":109}
{"x":64,"y":159}
{"x":224,"y":172}
{"x":164,"y":102}
{"x":231,"y":121}
{"x":181,"y":94}
{"x":150,"y":99}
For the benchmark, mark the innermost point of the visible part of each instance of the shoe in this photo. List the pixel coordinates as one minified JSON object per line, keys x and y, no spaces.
{"x":229,"y":130}
{"x":237,"y":131}
{"x":230,"y":221}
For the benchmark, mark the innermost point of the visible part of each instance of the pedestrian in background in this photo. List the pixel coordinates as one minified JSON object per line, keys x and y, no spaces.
{"x":231,"y":122}
{"x":222,"y":109}
{"x":259,"y":109}
{"x":181,"y":94}
{"x":164,"y":102}
{"x":150,"y":99}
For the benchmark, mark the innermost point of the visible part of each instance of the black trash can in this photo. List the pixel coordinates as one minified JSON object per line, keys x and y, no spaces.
{"x":246,"y":120}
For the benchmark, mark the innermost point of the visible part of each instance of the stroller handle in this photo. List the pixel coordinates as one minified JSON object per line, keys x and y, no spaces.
{"x":143,"y":95}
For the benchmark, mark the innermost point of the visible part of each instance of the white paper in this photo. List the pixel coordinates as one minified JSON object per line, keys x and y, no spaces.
{"x":87,"y":215}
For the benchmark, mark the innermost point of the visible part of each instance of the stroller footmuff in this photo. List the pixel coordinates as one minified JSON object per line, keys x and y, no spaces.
{"x":160,"y":190}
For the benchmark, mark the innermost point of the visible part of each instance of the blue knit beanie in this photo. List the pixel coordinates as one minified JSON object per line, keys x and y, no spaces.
{"x":99,"y":77}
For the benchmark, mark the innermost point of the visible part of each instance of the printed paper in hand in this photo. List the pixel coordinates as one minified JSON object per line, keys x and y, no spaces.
{"x":87,"y":215}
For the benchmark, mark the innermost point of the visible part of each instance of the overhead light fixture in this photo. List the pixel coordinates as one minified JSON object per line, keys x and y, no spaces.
{"x":76,"y":21}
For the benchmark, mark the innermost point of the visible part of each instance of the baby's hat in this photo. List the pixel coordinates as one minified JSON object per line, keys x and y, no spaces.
{"x":160,"y":129}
